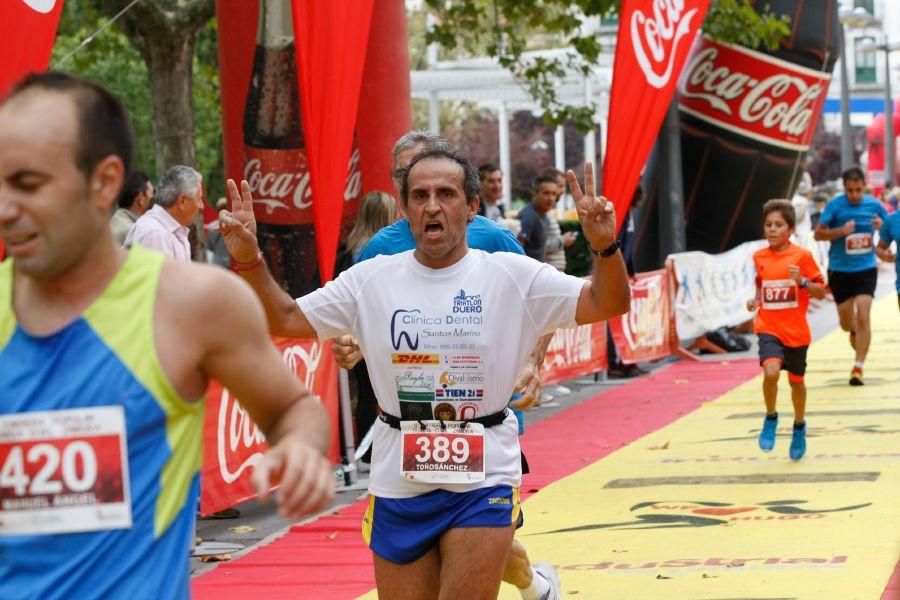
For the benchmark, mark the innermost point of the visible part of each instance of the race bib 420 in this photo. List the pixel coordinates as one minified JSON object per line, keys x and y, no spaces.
{"x":448,"y":453}
{"x":64,"y":471}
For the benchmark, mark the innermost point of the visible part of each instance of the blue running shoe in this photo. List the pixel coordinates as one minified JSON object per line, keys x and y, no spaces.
{"x":798,"y":442}
{"x":767,"y":435}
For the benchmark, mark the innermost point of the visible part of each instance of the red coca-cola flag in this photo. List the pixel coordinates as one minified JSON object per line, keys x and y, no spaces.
{"x":653,"y":43}
{"x":27,"y":31}
{"x":331,"y":39}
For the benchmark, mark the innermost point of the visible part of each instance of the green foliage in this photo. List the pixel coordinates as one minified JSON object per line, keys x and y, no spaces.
{"x":506,"y":29}
{"x":111,"y":60}
{"x":736,"y":22}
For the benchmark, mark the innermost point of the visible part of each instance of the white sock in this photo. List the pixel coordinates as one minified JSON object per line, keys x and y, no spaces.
{"x":538,"y":589}
{"x":858,"y":364}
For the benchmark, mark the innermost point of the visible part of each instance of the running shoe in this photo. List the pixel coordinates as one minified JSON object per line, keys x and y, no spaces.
{"x":767,"y":435}
{"x":548,"y":572}
{"x":856,"y":377}
{"x":798,"y":442}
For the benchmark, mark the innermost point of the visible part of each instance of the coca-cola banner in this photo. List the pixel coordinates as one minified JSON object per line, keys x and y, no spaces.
{"x":575,"y":352}
{"x":643,"y":333}
{"x":754,"y":94}
{"x":263,"y":135}
{"x":27,"y":31}
{"x":653,"y":42}
{"x":233,"y":443}
{"x":332,"y":38}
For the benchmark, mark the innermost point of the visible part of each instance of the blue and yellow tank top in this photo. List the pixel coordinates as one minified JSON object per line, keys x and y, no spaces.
{"x":103,"y":362}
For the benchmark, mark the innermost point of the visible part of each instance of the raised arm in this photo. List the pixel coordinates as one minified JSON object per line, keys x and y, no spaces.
{"x":239,"y":233}
{"x":609,"y":293}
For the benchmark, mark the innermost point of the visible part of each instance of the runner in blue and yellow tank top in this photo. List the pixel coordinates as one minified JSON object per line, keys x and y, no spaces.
{"x":104,"y":359}
{"x":102,"y":367}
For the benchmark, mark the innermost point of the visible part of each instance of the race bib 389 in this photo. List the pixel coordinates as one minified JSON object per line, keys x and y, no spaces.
{"x":64,"y":471}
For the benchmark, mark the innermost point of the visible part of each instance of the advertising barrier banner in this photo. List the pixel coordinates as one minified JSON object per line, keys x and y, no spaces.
{"x":643,"y":333}
{"x":713,"y":289}
{"x":575,"y":352}
{"x":233,"y":443}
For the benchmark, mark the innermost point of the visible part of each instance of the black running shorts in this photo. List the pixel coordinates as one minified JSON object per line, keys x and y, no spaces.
{"x":845,"y":284}
{"x":793,"y":360}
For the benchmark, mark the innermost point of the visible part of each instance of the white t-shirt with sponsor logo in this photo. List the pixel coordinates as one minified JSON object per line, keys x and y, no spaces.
{"x":444,"y":343}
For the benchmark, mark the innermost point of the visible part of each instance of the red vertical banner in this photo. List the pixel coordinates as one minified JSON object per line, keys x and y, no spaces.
{"x":385,"y":106}
{"x":332,"y":38}
{"x":653,"y":43}
{"x":27,"y":31}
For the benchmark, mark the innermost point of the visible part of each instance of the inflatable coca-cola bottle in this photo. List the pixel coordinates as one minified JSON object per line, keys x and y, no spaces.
{"x":275,"y":157}
{"x":747,"y":118}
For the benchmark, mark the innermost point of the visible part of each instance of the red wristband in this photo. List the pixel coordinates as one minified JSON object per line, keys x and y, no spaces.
{"x":250,"y":265}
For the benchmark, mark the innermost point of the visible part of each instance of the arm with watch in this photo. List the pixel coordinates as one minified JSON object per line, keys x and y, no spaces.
{"x":816,"y":290}
{"x":609,"y":293}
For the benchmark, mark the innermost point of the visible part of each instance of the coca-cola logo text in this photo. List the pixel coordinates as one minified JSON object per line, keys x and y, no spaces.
{"x":760,"y":96}
{"x":41,"y":6}
{"x":656,"y":38}
{"x":279,"y":180}
{"x":237,"y":434}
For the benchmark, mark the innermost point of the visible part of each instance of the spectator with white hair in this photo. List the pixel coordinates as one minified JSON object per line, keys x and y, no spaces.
{"x":165,"y":227}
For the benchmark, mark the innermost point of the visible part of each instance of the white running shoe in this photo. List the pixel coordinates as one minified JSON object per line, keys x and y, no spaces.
{"x":548,"y":572}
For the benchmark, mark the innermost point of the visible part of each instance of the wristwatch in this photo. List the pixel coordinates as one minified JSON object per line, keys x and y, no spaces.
{"x":804,"y":283}
{"x":608,"y":251}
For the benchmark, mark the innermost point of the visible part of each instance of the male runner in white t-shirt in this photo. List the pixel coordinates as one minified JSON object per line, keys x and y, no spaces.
{"x":437,"y":325}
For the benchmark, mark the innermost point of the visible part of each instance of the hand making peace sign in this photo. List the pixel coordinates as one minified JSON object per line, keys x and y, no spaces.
{"x":238,"y":226}
{"x":596,"y":213}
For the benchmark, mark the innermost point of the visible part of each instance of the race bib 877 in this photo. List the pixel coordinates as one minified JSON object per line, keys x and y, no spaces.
{"x":64,"y":471}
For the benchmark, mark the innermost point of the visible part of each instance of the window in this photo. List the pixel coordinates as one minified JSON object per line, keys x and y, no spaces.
{"x":869,"y":5}
{"x":865,"y":61}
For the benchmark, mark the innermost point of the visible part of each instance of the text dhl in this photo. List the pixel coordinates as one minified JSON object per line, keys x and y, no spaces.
{"x":415,"y":359}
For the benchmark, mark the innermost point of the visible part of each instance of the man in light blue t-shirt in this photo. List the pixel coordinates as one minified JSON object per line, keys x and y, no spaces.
{"x":890,"y":232}
{"x":849,"y":222}
{"x":481,"y":234}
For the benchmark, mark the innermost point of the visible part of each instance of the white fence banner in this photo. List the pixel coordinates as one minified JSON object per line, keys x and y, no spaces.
{"x":713,"y":289}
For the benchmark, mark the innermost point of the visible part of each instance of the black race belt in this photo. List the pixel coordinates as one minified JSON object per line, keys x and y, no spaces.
{"x":487,"y":421}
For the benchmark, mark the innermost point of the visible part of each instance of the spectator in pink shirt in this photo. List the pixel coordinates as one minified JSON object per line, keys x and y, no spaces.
{"x":179,"y":197}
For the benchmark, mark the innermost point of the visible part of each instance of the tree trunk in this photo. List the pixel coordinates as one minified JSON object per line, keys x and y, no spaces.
{"x":164,"y":32}
{"x":169,"y":61}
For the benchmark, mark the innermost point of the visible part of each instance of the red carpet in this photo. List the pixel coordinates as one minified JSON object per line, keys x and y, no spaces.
{"x":892,"y":591}
{"x":327,"y":558}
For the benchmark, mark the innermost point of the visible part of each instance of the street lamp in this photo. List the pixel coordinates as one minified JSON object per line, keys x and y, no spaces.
{"x":857,"y":17}
{"x":887,"y":48}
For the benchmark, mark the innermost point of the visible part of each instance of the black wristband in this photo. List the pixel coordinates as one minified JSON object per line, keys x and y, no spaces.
{"x":612,"y":249}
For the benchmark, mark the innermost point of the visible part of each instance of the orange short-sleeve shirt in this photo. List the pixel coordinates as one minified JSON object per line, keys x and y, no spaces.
{"x":783,"y":303}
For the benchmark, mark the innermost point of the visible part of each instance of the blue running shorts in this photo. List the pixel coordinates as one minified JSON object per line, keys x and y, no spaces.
{"x":402,"y":530}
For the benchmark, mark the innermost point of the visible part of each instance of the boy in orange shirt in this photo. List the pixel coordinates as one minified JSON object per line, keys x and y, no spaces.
{"x":786,"y":277}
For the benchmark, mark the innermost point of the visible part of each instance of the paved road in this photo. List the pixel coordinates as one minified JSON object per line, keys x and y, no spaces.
{"x":266,"y":524}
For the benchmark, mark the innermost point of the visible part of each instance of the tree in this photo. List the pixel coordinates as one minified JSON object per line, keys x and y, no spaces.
{"x":111,"y":59}
{"x":165,"y":33}
{"x":505,"y":30}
